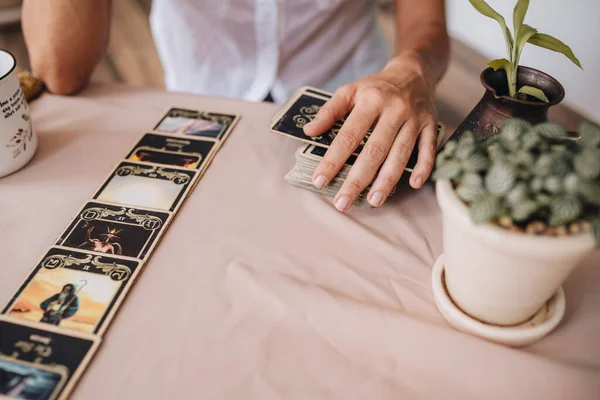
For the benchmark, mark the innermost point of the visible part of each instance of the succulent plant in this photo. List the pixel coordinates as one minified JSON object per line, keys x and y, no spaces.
{"x":530,"y":178}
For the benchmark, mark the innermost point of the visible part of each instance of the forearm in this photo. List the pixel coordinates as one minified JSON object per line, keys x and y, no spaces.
{"x":66,"y":39}
{"x":421,"y":32}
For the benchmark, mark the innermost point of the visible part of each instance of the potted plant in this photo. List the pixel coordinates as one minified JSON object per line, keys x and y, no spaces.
{"x":511,"y":89}
{"x":520,"y":211}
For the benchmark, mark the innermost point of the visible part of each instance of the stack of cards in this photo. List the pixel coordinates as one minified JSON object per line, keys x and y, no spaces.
{"x":54,"y":322}
{"x":289,"y":121}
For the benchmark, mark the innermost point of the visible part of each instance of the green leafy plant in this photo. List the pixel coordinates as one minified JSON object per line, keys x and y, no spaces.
{"x":529,"y":178}
{"x":523,"y":34}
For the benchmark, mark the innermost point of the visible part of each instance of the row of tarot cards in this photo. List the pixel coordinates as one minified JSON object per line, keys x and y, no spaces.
{"x":289,"y":121}
{"x":53,"y":324}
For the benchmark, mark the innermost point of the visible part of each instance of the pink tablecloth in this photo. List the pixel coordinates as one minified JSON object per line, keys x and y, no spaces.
{"x":260,"y":290}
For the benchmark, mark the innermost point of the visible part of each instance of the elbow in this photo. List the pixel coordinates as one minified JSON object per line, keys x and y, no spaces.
{"x":62,"y":78}
{"x":64,"y":82}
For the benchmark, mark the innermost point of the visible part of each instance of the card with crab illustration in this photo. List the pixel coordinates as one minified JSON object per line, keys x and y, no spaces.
{"x":115,"y":229}
{"x":147,"y":186}
{"x":74,"y":290}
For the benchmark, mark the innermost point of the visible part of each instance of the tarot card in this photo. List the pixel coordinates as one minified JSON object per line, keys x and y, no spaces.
{"x":73,"y":290}
{"x":116,"y":230}
{"x":172,"y":150}
{"x":147,"y":186}
{"x":304,"y":106}
{"x":318,"y":92}
{"x":41,"y":364}
{"x":197,"y":123}
{"x":319,"y":152}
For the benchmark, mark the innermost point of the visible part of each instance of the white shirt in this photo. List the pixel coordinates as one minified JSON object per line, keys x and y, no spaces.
{"x":249,"y":48}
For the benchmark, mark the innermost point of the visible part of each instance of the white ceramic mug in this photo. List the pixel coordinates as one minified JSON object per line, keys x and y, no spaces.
{"x":18,"y":142}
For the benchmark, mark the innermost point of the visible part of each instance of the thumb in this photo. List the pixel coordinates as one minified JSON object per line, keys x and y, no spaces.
{"x":335,"y":109}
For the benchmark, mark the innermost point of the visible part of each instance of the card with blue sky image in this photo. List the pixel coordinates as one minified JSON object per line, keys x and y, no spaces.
{"x":180,"y":121}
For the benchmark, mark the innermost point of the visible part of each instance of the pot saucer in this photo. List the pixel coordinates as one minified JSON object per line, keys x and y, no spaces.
{"x":532,"y":330}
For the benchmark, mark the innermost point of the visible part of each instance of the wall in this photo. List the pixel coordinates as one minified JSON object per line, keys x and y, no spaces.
{"x":575,"y":22}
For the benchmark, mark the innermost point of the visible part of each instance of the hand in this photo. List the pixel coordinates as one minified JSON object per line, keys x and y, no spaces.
{"x":399,"y":103}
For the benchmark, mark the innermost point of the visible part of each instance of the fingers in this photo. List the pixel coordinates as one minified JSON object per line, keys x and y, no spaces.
{"x":393,"y":167}
{"x":370,"y":159}
{"x":347,"y":140}
{"x":333,"y":110}
{"x":426,"y":158}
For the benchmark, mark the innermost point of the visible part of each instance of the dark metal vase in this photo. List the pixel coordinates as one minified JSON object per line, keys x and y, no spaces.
{"x":496,"y":105}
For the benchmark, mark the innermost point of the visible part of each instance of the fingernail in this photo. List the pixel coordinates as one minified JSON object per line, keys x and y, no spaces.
{"x":320,"y":181}
{"x":343,"y":203}
{"x":310,"y":124}
{"x":376,"y":199}
{"x":418,"y":181}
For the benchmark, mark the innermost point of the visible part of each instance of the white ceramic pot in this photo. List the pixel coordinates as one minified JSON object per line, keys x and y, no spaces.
{"x":498,"y":276}
{"x":18,"y":142}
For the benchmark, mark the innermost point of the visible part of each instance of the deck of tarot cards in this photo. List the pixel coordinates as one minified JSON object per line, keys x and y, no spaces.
{"x":290,"y":120}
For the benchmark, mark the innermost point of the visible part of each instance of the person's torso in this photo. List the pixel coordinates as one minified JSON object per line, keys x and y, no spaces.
{"x":248,"y":48}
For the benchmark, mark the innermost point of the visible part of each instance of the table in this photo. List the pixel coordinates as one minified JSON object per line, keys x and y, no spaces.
{"x":260,"y":290}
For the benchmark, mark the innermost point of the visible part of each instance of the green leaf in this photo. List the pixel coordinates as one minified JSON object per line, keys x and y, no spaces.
{"x":590,"y":191}
{"x":551,"y":130}
{"x":587,"y":163}
{"x":485,"y":9}
{"x":518,"y":194}
{"x":543,"y":200}
{"x":535,"y":92}
{"x":519,"y":15}
{"x":499,"y":179}
{"x":475,"y":163}
{"x":449,"y":148}
{"x":485,"y":209}
{"x":470,"y":193}
{"x":543,"y":165}
{"x":571,"y":183}
{"x":590,"y":133}
{"x":553,"y":184}
{"x":536,"y":184}
{"x":522,"y":38}
{"x":448,"y":170}
{"x":530,"y":140}
{"x":472,"y":179}
{"x":564,"y":209}
{"x":501,"y":63}
{"x":511,"y":132}
{"x":523,"y":210}
{"x":552,"y":43}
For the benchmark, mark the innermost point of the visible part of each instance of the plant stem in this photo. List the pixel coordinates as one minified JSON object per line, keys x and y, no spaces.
{"x":512,"y":81}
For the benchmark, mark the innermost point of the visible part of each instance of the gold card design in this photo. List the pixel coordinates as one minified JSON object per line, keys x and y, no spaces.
{"x":147,"y":186}
{"x":115,"y":230}
{"x":73,"y":290}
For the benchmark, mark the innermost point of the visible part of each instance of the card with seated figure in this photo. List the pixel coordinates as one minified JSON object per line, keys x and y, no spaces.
{"x":147,"y":186}
{"x":41,"y":364}
{"x":214,"y":125}
{"x":115,"y":230}
{"x":178,"y":151}
{"x":74,"y":290}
